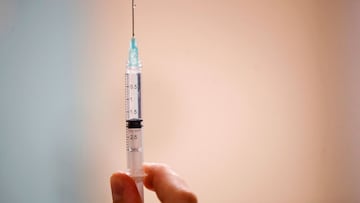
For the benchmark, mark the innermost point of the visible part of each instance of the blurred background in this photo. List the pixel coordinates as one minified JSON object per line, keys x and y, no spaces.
{"x":249,"y":101}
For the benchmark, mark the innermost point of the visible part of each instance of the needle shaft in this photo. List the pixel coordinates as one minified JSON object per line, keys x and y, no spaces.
{"x":133,"y":17}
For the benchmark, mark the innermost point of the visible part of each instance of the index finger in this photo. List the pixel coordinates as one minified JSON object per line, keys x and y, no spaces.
{"x":169,"y":187}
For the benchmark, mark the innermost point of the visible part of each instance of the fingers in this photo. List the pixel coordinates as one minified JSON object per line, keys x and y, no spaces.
{"x":124,"y":189}
{"x":169,"y":187}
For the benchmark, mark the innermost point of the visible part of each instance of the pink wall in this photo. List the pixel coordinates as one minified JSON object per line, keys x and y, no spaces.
{"x":240,"y":97}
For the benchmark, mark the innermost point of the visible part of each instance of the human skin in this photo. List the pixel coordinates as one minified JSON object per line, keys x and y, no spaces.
{"x":167,"y":185}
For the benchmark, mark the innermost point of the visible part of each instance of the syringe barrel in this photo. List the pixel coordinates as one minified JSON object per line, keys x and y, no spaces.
{"x":133,"y":93}
{"x":134,"y":148}
{"x":134,"y":135}
{"x":134,"y":151}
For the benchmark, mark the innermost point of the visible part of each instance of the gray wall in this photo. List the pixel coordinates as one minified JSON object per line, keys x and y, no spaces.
{"x":40,"y":124}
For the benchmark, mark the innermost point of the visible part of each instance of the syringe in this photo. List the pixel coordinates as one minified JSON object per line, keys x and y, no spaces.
{"x":134,"y":135}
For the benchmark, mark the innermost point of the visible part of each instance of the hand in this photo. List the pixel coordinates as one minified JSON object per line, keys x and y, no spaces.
{"x":169,"y":187}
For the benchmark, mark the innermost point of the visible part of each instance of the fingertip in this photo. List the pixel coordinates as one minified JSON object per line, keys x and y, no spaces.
{"x":116,"y":175}
{"x":119,"y":178}
{"x":168,"y":186}
{"x":124,"y":189}
{"x":148,"y":182}
{"x":118,"y":185}
{"x":154,"y":170}
{"x":151,"y":168}
{"x":187,"y":196}
{"x":115,"y":179}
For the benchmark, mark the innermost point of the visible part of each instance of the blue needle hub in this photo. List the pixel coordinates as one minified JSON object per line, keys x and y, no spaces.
{"x":133,"y":54}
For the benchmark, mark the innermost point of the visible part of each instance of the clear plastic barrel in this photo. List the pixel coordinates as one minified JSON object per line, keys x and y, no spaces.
{"x":134,"y":136}
{"x":133,"y":94}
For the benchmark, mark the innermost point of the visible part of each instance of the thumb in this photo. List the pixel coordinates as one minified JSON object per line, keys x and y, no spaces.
{"x":124,"y":189}
{"x":169,"y":187}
